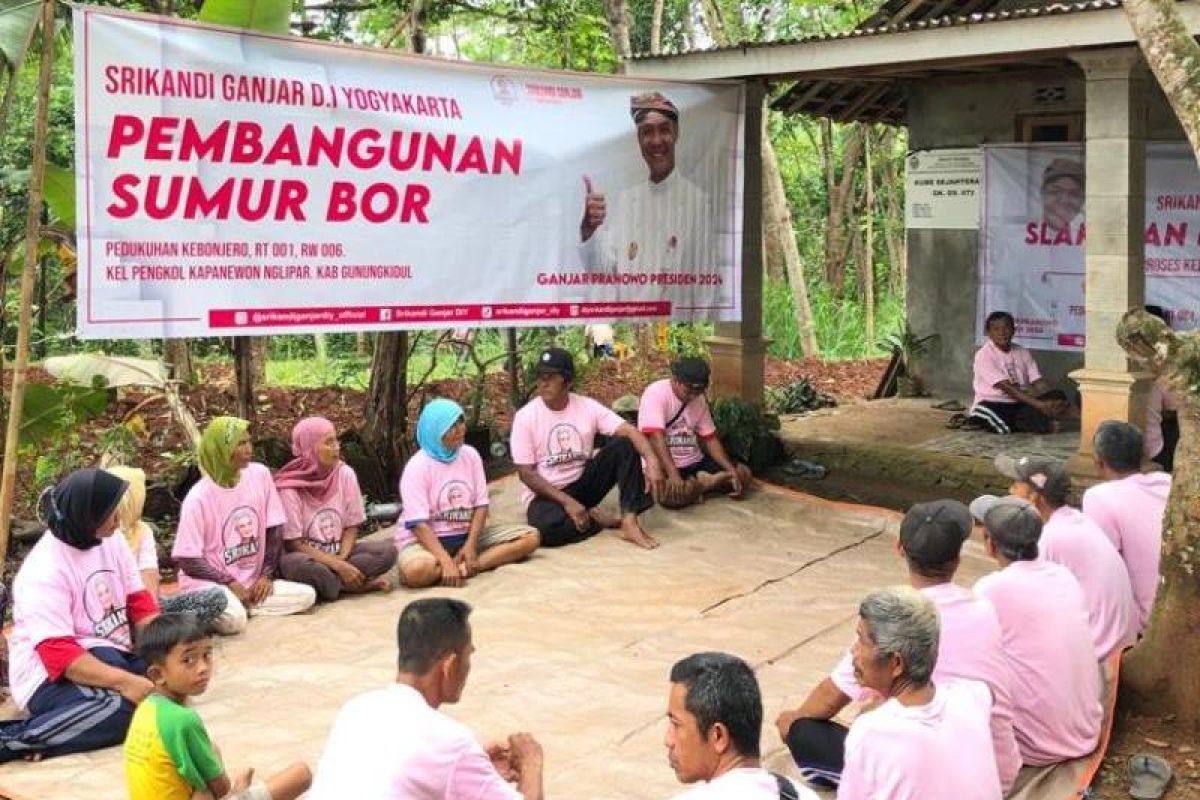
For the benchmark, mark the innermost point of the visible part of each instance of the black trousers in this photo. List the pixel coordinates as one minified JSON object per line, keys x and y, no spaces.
{"x":616,"y":464}
{"x":1015,"y":417}
{"x":818,"y":747}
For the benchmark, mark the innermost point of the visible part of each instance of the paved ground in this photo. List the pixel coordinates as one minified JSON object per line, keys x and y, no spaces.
{"x":574,"y":645}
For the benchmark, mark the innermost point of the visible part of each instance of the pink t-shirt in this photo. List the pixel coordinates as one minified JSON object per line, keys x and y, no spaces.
{"x":744,"y":783}
{"x":1160,"y":400}
{"x":969,"y":648}
{"x":228,"y":527}
{"x":1130,"y":512}
{"x":443,"y":496}
{"x":659,"y":405}
{"x":939,"y":751}
{"x":559,"y":442}
{"x":390,"y":745}
{"x":1071,"y":539}
{"x":1048,"y":644}
{"x":64,"y":592}
{"x":321,"y":522}
{"x":993,"y":365}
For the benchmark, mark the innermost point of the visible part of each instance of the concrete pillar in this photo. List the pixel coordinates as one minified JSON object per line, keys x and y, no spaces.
{"x":738,"y":348}
{"x":1115,"y":208}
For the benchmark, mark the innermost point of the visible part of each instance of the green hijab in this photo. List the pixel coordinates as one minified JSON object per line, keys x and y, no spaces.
{"x":217,"y":444}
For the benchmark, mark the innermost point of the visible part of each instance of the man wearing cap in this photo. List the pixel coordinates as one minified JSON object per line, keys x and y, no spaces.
{"x":1129,"y":507}
{"x":1072,"y":540}
{"x":1043,"y":616}
{"x":674,"y":415}
{"x":931,"y":540}
{"x":659,"y":225}
{"x":552,"y":442}
{"x":1062,"y":193}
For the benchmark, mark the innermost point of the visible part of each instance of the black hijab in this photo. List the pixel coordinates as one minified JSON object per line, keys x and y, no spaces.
{"x":80,"y":503}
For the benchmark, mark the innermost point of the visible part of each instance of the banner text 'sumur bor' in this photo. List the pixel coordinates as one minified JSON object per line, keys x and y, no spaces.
{"x":230,"y":182}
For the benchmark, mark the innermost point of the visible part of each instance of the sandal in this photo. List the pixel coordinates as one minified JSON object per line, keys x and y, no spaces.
{"x":956,"y":421}
{"x":949,"y":405}
{"x":1148,"y":776}
{"x":799,"y":468}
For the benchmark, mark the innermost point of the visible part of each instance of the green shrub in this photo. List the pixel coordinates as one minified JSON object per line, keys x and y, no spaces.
{"x":741,"y":425}
{"x":797,"y":397}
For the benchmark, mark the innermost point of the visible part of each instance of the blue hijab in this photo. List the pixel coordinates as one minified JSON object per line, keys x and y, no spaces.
{"x":436,"y":418}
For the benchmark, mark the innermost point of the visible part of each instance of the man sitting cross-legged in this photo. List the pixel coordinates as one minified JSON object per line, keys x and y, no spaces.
{"x":714,"y":723}
{"x":394,"y":743}
{"x":931,"y":539}
{"x":552,"y":438}
{"x":1010,"y":394}
{"x":674,"y":416}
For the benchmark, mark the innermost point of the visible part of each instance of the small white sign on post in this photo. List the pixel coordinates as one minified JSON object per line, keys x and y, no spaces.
{"x":941,"y":188}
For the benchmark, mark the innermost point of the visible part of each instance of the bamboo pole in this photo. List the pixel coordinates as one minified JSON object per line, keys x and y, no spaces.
{"x":33,"y":225}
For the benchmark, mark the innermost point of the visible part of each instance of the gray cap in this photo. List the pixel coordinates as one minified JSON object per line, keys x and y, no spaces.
{"x":933,"y":533}
{"x":1048,"y":475}
{"x":1010,"y":520}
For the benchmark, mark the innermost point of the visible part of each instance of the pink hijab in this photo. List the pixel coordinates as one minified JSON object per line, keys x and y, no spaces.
{"x":304,"y":472}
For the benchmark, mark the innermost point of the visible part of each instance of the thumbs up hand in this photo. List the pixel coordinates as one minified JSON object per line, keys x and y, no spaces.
{"x":594,"y":210}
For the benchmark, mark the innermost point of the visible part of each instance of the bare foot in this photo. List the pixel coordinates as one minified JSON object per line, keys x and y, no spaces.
{"x":382,"y":584}
{"x":633,"y":533}
{"x":33,"y":758}
{"x":710,"y":482}
{"x":604,"y":519}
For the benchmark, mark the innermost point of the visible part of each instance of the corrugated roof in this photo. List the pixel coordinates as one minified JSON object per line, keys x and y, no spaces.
{"x":899,"y":16}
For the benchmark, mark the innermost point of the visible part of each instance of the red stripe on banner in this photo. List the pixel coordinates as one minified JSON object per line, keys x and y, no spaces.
{"x":446,"y":314}
{"x":1069,"y":339}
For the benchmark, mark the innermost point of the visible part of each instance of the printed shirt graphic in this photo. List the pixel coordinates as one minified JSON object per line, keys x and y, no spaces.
{"x":228,"y":527}
{"x":168,"y":754}
{"x":443,"y":496}
{"x":321,"y":522}
{"x":559,"y":443}
{"x":64,"y":592}
{"x":659,"y":404}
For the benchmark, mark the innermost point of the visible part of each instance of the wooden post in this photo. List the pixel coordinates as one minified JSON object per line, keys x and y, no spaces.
{"x":33,"y":226}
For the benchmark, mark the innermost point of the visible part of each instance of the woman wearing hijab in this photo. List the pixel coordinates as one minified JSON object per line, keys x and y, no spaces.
{"x":76,"y":599}
{"x":324,"y":508}
{"x":206,"y":604}
{"x":444,"y":536}
{"x":229,"y":531}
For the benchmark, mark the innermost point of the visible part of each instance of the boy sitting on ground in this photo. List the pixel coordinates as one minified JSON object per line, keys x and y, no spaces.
{"x":168,"y":755}
{"x":1010,"y":394}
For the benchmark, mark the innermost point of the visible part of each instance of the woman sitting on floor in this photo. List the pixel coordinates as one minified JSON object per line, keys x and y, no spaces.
{"x":206,"y":604}
{"x":324,"y":508}
{"x":76,"y":600}
{"x":229,"y":531}
{"x":444,"y":536}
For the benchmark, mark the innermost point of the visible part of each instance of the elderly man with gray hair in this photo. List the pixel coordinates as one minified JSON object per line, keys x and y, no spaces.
{"x":924,"y":742}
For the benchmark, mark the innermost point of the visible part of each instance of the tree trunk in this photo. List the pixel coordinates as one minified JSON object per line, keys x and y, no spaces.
{"x":385,"y":415}
{"x":777,"y":219}
{"x":656,"y":16}
{"x":1162,"y":674}
{"x":515,"y":395}
{"x":894,"y":233}
{"x":617,"y":13}
{"x":178,"y":358}
{"x":321,"y":346}
{"x":258,"y":360}
{"x":1173,"y":56}
{"x":841,"y":209}
{"x":866,"y":262}
{"x":243,"y":370}
{"x":362,"y":345}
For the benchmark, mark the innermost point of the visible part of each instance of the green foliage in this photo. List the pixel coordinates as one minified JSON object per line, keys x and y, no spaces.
{"x":50,"y":411}
{"x":688,"y":339}
{"x":741,"y":425}
{"x":268,"y":16}
{"x":912,"y":347}
{"x":17,"y":18}
{"x":797,"y":397}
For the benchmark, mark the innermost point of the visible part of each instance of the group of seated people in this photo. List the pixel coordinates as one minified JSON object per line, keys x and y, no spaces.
{"x":962,"y":687}
{"x":1011,"y":396}
{"x":250,"y":543}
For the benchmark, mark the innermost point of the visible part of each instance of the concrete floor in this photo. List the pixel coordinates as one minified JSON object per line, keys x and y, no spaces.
{"x":573,"y":646}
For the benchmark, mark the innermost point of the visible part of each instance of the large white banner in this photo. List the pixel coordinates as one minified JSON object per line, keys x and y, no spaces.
{"x":236,"y":183}
{"x":1033,"y":238}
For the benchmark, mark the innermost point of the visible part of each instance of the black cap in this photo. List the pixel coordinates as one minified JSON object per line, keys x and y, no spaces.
{"x":555,"y":360}
{"x":1011,"y":520}
{"x":1048,"y":475}
{"x":933,"y":533}
{"x":691,"y":372}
